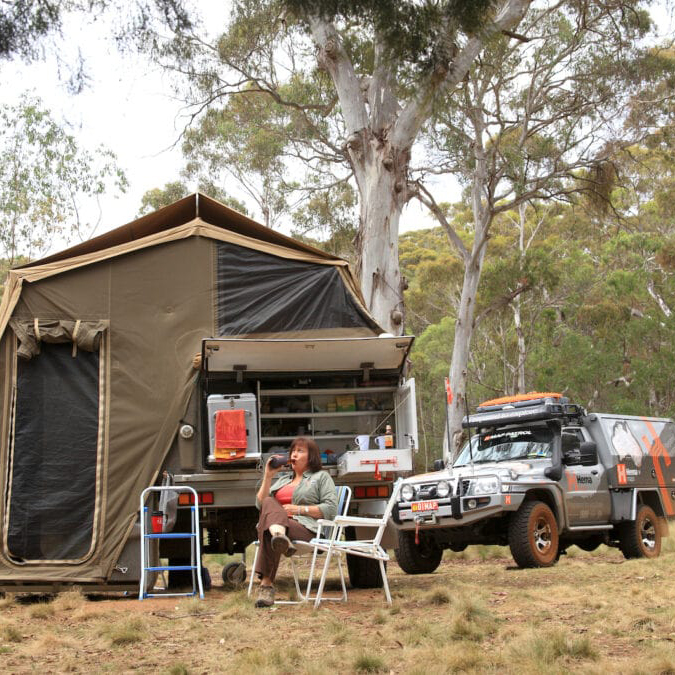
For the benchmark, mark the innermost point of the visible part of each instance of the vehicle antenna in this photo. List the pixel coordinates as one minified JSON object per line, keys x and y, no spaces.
{"x":468,"y":421}
{"x":448,"y":393}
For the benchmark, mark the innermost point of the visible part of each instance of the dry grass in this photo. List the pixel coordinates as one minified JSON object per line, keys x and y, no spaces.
{"x":592,"y":613}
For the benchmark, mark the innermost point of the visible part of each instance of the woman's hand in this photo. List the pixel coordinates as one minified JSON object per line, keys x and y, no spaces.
{"x":270,"y":470}
{"x":299,"y":510}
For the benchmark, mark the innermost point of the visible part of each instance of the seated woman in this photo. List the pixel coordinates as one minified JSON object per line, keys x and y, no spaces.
{"x":289,"y":508}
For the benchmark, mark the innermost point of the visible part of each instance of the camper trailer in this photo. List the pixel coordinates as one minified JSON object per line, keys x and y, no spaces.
{"x":119,"y":356}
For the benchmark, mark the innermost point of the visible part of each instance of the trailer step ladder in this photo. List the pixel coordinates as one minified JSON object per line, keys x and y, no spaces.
{"x":193,"y":537}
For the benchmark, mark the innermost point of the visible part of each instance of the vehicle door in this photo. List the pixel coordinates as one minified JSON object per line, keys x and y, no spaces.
{"x":585,"y":487}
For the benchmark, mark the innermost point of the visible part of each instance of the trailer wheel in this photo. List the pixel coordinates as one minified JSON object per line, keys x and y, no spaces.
{"x":533,"y":535}
{"x":363,"y":572}
{"x":181,"y":579}
{"x":417,"y":559}
{"x":206,"y":579}
{"x":641,"y":538}
{"x":234,"y":574}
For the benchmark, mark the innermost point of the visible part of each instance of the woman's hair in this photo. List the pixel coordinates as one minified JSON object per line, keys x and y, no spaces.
{"x":313,"y":452}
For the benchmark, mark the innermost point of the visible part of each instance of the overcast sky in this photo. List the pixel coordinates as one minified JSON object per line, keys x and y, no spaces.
{"x":128,"y":106}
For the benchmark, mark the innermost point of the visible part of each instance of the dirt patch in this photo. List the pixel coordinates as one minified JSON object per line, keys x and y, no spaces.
{"x":590,"y":613}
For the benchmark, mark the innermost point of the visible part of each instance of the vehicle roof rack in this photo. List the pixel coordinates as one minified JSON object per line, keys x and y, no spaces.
{"x":523,"y":408}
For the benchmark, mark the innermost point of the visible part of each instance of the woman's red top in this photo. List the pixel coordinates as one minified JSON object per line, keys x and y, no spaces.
{"x":285,"y":494}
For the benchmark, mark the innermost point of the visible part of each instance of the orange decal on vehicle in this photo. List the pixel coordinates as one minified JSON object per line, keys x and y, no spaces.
{"x":621,"y":476}
{"x":571,"y":481}
{"x":507,"y":499}
{"x":657,"y":450}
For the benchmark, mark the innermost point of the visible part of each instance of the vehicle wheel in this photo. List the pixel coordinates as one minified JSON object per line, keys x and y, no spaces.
{"x":417,"y":559}
{"x":641,"y":538}
{"x":457,"y":548}
{"x":234,"y":574}
{"x":533,"y":535}
{"x":206,"y":579}
{"x":363,"y":572}
{"x":589,"y":544}
{"x":179,"y":578}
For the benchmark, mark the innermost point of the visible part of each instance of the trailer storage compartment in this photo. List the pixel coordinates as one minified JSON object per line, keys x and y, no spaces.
{"x":233,"y":427}
{"x":330,"y":389}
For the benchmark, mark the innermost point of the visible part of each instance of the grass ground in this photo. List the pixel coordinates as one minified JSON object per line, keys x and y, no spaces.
{"x":591,"y":613}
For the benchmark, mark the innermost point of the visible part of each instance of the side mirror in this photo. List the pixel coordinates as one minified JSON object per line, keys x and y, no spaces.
{"x":570,"y":446}
{"x":439,"y":464}
{"x":588,"y":453}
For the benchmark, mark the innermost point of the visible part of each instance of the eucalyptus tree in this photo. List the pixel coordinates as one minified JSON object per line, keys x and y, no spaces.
{"x":32,"y":29}
{"x":359,"y":81}
{"x":44,"y":178}
{"x":540,"y":117}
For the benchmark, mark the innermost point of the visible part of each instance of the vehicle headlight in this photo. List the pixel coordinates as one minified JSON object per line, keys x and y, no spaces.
{"x":443,"y":489}
{"x":485,"y":486}
{"x":407,"y":493}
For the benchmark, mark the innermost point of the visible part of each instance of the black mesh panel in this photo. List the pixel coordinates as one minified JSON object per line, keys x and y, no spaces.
{"x":53,"y":482}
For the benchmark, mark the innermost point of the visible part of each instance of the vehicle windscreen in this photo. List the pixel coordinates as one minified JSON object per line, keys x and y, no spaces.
{"x":501,"y":445}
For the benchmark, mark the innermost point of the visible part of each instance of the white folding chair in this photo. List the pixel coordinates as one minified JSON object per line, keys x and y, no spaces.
{"x":344,"y":495}
{"x":364,"y":548}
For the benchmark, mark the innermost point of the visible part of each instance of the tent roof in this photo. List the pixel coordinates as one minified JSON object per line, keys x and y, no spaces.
{"x":183,"y":211}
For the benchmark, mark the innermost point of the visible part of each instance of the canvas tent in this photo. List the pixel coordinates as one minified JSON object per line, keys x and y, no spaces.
{"x":96,"y":358}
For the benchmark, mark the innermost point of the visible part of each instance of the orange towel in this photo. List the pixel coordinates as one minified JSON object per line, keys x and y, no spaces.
{"x":230,"y":430}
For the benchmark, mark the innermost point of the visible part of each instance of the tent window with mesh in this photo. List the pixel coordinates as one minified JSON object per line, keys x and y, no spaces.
{"x":262,"y":293}
{"x":54,"y":455}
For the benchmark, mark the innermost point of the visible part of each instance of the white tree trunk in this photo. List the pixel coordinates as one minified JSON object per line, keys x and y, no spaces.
{"x":377,"y":240}
{"x":517,"y":309}
{"x":463,"y":333}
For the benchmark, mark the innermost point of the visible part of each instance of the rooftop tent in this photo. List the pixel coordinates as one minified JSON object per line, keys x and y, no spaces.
{"x":96,"y":366}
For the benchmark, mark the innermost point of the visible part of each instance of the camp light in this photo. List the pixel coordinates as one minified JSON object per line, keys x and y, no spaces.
{"x":443,"y":489}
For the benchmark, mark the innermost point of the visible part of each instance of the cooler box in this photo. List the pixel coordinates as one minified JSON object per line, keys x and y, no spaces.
{"x":374,"y":461}
{"x":244,"y":402}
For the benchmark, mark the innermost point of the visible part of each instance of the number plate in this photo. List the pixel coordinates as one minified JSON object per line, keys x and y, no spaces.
{"x":424,"y":506}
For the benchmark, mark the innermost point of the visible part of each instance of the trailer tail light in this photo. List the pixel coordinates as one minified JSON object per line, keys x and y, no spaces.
{"x":186,"y":498}
{"x":372,"y":491}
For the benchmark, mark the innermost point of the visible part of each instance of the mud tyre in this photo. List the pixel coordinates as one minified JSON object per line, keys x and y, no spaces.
{"x":641,"y":538}
{"x":363,"y":572}
{"x":234,"y":574}
{"x":414,"y":559}
{"x":533,"y":535}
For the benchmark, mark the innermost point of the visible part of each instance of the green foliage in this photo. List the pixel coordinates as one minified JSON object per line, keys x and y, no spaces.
{"x":244,"y":140}
{"x":592,"y":328}
{"x":421,"y":33}
{"x":44,"y":175}
{"x":158,"y":198}
{"x":24,"y":22}
{"x":328,"y":214}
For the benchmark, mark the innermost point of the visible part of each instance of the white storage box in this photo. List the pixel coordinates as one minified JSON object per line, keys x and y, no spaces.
{"x":368,"y":461}
{"x":245,"y":402}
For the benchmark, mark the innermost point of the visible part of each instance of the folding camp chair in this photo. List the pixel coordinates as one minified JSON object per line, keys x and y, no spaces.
{"x":344,"y":495}
{"x":364,"y":548}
